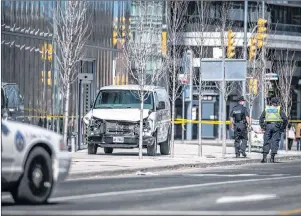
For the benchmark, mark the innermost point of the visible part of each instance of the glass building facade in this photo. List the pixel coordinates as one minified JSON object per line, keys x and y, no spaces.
{"x":27,"y":31}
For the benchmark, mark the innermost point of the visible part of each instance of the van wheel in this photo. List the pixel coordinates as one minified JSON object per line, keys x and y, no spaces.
{"x":92,"y":149}
{"x":108,"y":150}
{"x":152,"y":150}
{"x":35,"y":186}
{"x":165,"y":146}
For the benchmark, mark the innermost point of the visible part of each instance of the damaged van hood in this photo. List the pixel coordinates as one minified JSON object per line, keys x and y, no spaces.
{"x":116,"y":114}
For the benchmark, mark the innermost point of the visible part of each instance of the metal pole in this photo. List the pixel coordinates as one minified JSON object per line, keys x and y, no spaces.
{"x":79,"y":114}
{"x":263,"y":69}
{"x":189,"y":108}
{"x":183,"y":113}
{"x":224,"y":108}
{"x":245,"y":43}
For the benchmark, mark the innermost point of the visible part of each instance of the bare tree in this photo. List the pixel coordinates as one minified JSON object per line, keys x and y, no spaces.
{"x":176,"y":23}
{"x":71,"y":32}
{"x":200,"y":21}
{"x":141,"y":50}
{"x":285,"y":66}
{"x":225,"y":87}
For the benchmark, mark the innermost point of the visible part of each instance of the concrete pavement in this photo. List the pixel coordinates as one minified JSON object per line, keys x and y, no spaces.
{"x":124,"y":161}
{"x":257,"y":189}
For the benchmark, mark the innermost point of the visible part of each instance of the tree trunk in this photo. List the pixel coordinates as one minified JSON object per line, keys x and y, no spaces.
{"x":66,"y":114}
{"x":173,"y":127}
{"x":200,"y":149}
{"x":286,"y":129}
{"x":141,"y":125}
{"x":224,"y":128}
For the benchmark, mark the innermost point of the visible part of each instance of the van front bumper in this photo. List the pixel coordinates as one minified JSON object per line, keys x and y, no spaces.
{"x":124,"y":141}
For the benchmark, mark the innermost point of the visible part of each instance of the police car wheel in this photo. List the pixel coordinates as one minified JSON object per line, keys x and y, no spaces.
{"x":165,"y":146}
{"x":152,"y":150}
{"x":108,"y":150}
{"x":35,"y":186}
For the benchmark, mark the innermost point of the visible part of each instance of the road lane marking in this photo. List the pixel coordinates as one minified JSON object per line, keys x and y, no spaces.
{"x":232,"y":175}
{"x":221,"y":175}
{"x":132,"y":212}
{"x":291,"y":212}
{"x":248,"y":198}
{"x":175,"y":188}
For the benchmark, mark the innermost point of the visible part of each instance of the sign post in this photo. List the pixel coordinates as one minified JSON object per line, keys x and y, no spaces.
{"x":85,"y":78}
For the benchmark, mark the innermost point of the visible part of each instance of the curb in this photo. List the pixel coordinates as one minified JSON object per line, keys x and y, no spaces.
{"x":175,"y":167}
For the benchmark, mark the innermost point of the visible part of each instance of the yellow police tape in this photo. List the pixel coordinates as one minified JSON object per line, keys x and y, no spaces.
{"x":177,"y":121}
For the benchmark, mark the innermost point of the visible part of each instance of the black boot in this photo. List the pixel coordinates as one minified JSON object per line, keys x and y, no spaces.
{"x":264,"y":159}
{"x":244,"y":154}
{"x":237,"y":155}
{"x":272,"y":160}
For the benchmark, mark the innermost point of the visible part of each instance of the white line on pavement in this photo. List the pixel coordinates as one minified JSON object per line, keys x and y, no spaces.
{"x":222,"y":175}
{"x":127,"y":192}
{"x":248,"y":198}
{"x":231,"y":175}
{"x":133,"y":212}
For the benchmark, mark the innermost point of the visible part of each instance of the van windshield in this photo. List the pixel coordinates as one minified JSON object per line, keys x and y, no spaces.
{"x":120,"y":99}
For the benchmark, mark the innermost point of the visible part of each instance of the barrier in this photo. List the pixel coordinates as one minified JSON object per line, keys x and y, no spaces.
{"x":186,"y":121}
{"x":177,"y":121}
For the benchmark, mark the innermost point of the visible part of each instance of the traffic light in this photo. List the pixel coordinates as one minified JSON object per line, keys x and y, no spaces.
{"x":253,"y":88}
{"x":261,"y":32}
{"x":164,"y":43}
{"x":123,"y":34}
{"x":49,"y":52}
{"x":252,"y":49}
{"x":49,"y":81}
{"x":44,"y":51}
{"x":230,"y":45}
{"x":114,"y":38}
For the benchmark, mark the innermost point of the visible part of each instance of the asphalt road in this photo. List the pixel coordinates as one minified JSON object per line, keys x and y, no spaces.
{"x":262,"y":189}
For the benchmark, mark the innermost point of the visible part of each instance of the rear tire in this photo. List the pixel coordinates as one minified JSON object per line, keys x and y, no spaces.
{"x":35,"y":185}
{"x":92,"y":149}
{"x":165,"y":146}
{"x":108,"y":150}
{"x":152,"y":150}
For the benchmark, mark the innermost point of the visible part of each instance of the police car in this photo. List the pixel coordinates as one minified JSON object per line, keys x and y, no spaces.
{"x":34,"y":161}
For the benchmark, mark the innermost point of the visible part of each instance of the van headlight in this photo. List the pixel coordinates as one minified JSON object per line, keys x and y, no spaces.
{"x":96,"y":126}
{"x":148,"y":125}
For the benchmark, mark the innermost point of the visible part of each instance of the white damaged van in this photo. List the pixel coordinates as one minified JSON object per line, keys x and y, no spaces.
{"x":115,"y":116}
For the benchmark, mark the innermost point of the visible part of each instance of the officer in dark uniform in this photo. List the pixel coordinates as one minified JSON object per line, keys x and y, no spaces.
{"x":240,"y":120}
{"x":273,"y":121}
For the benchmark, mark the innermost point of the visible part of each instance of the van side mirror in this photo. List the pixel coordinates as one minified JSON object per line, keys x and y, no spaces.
{"x":161,"y":105}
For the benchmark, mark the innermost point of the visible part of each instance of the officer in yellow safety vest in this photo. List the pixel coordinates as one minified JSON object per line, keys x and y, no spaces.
{"x":273,"y":121}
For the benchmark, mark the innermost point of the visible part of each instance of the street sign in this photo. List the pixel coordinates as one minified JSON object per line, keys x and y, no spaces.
{"x":86,"y":82}
{"x":212,"y":70}
{"x":85,"y":76}
{"x":271,"y":76}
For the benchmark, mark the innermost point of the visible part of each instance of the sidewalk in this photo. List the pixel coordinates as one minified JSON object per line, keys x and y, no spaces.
{"x":126,"y":161}
{"x":213,"y":142}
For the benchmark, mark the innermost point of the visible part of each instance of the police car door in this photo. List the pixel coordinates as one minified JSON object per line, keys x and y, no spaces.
{"x":7,"y":146}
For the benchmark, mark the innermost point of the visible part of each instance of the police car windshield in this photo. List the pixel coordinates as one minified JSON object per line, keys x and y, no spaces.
{"x":13,"y":96}
{"x":120,"y":99}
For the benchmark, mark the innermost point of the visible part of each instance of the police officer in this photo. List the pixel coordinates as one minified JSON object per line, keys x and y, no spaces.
{"x":273,"y":121}
{"x":240,"y":120}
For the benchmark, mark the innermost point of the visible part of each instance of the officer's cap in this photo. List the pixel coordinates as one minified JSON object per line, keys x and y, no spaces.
{"x":274,"y":101}
{"x":241,"y":98}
